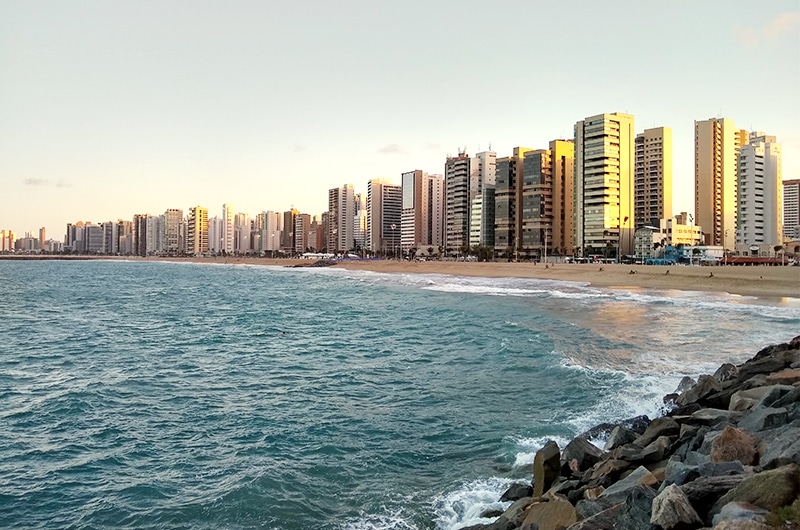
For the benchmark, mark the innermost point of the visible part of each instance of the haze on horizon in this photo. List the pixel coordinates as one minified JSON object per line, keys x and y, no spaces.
{"x":111,"y":108}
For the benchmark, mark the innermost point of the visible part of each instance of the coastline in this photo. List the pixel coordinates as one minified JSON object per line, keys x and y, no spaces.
{"x":773,"y":282}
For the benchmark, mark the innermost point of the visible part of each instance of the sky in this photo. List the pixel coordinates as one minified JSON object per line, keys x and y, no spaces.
{"x":112,"y":108}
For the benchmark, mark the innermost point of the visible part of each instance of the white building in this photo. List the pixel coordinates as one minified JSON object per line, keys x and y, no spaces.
{"x":760,"y":192}
{"x":342,"y":213}
{"x":228,"y":229}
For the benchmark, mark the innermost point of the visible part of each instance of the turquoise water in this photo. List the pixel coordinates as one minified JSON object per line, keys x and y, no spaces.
{"x":164,"y":395}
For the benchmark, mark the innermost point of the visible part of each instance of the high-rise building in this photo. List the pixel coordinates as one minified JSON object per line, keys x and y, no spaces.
{"x":791,"y":209}
{"x":7,"y":239}
{"x":140,"y":235}
{"x":341,"y":219}
{"x":421,"y":221}
{"x":227,"y":237}
{"x":269,"y":232}
{"x":653,"y":177}
{"x":759,"y":215}
{"x":384,"y":206}
{"x":197,"y":231}
{"x":155,"y":234}
{"x":242,"y":234}
{"x":716,"y":151}
{"x":603,"y":192}
{"x":360,"y":227}
{"x":172,"y":232}
{"x":216,"y":230}
{"x":302,"y":229}
{"x":536,"y":208}
{"x":481,"y":226}
{"x":287,"y":244}
{"x":562,"y":160}
{"x":508,"y":201}
{"x":464,"y":180}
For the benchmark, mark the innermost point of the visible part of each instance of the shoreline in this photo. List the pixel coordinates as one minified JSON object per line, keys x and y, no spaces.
{"x":758,"y":281}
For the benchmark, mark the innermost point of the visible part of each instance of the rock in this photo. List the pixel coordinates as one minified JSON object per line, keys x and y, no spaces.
{"x":606,"y":472}
{"x":685,"y":384}
{"x":582,"y":452}
{"x":586,"y":508}
{"x":619,"y":435}
{"x":769,"y":351}
{"x":602,"y":520}
{"x":779,"y":396}
{"x":546,"y":465}
{"x":591,"y":494}
{"x":762,"y":418}
{"x":636,"y":424}
{"x":717,"y":469}
{"x":513,"y":516}
{"x":741,"y":511}
{"x":679,"y":473}
{"x":726,"y":372}
{"x":769,"y":489}
{"x":671,"y":509}
{"x":703,"y":492}
{"x":735,"y":444}
{"x":780,"y":446}
{"x":635,"y":513}
{"x":742,"y":525}
{"x":706,"y":385}
{"x":666,"y":426}
{"x":766,"y":365}
{"x":794,"y":344}
{"x":746,"y":399}
{"x":656,"y":451}
{"x":713,"y":417}
{"x":516,"y":492}
{"x":553,"y":513}
{"x":784,"y":377}
{"x":618,"y":492}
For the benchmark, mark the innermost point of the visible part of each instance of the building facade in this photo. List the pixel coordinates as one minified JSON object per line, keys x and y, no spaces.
{"x":341,"y":219}
{"x":603,"y":189}
{"x":197,"y":231}
{"x":759,"y":204}
{"x":384,"y":207}
{"x":717,"y":144}
{"x":791,"y":209}
{"x":653,"y":176}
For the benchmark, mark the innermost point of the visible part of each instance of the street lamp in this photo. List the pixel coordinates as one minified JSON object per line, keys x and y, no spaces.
{"x":394,"y":242}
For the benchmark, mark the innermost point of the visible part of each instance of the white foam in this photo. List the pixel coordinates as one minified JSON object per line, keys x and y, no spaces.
{"x":464,"y":506}
{"x":529,"y":446}
{"x":389,"y":521}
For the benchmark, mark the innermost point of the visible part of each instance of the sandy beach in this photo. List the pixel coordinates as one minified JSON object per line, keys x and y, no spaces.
{"x":746,"y":281}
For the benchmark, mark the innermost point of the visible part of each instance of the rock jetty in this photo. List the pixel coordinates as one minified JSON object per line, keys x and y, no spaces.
{"x":726,"y":456}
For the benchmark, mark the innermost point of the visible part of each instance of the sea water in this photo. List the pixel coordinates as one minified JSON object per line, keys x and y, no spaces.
{"x":177,"y":395}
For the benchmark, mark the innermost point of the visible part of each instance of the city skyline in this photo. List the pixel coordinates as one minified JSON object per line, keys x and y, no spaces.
{"x":117,"y":109}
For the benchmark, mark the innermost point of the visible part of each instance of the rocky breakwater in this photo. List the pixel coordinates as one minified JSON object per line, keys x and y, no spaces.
{"x":726,"y":456}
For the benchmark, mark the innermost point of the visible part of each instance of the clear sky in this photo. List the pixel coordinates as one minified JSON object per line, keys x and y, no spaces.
{"x":111,"y":108}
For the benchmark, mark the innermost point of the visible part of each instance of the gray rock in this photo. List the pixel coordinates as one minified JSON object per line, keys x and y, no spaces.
{"x":618,"y":492}
{"x":696,"y":458}
{"x":678,"y":473}
{"x":516,"y":492}
{"x":779,"y":396}
{"x":747,"y":399}
{"x":671,"y":508}
{"x":635,"y":513}
{"x":706,"y":385}
{"x":741,"y":511}
{"x":619,"y":436}
{"x":717,"y":469}
{"x":703,"y":492}
{"x":586,"y":508}
{"x":582,"y":452}
{"x":742,"y":525}
{"x":659,"y":427}
{"x":726,"y":372}
{"x":685,"y":384}
{"x":780,"y":446}
{"x":715,"y":417}
{"x":602,"y":520}
{"x":546,"y":466}
{"x":769,"y":489}
{"x":763,"y":418}
{"x":513,"y":516}
{"x":656,"y":451}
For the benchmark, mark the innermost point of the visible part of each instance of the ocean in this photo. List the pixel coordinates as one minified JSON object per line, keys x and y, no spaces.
{"x":178,"y":395}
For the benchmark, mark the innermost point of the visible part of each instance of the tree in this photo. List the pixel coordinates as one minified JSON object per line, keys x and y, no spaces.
{"x":777,"y":248}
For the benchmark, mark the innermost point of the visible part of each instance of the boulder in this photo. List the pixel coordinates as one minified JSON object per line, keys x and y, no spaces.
{"x":606,"y":471}
{"x":516,"y":492}
{"x":657,"y":450}
{"x":512,"y":517}
{"x":636,"y":424}
{"x":713,"y":417}
{"x":741,"y":511}
{"x":726,"y":372}
{"x":635,"y":513}
{"x":602,"y":520}
{"x":780,"y":446}
{"x":619,"y":491}
{"x":784,"y":377}
{"x":746,"y":399}
{"x":582,"y":452}
{"x":679,"y":473}
{"x":546,"y":465}
{"x":742,"y":525}
{"x":779,"y":396}
{"x":763,"y":418}
{"x":671,"y":509}
{"x":619,"y":436}
{"x":706,"y":385}
{"x":552,"y":513}
{"x":772,"y":363}
{"x":666,"y":426}
{"x":703,"y":492}
{"x":685,"y":384}
{"x":769,"y":489}
{"x":735,"y":444}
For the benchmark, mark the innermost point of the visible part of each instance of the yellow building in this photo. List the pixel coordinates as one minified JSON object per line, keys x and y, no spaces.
{"x":562,"y":157}
{"x":197,"y":231}
{"x":717,"y":144}
{"x":604,"y":171}
{"x":653,"y":176}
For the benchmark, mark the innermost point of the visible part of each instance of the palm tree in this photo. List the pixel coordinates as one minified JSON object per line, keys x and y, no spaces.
{"x":777,"y":248}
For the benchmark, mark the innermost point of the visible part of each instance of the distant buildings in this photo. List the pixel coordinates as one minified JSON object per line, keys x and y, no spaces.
{"x":760,"y":192}
{"x":717,"y":146}
{"x":791,"y":209}
{"x":604,"y":177}
{"x":653,"y":176}
{"x":384,"y":207}
{"x":197,"y":231}
{"x":342,"y":212}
